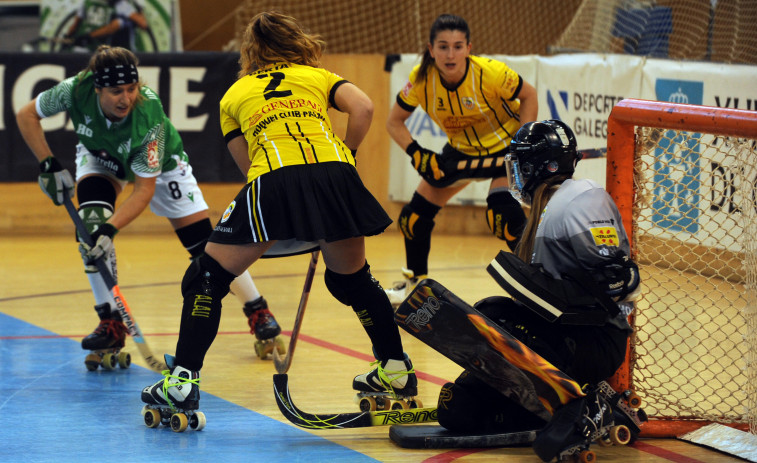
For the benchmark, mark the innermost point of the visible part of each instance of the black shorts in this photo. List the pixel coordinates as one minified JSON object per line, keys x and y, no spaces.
{"x":303,"y":203}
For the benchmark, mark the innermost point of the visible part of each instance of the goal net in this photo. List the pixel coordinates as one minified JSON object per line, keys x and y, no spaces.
{"x":685,"y":180}
{"x":715,"y":30}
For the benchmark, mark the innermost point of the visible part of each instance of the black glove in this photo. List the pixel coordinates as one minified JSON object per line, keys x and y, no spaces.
{"x":424,"y":161}
{"x":620,"y":278}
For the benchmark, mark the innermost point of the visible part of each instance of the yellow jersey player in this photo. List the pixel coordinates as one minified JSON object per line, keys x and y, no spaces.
{"x":480,"y":104}
{"x":303,"y":187}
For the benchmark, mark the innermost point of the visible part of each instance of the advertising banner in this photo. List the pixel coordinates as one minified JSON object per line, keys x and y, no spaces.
{"x":581,"y":90}
{"x":190,"y":86}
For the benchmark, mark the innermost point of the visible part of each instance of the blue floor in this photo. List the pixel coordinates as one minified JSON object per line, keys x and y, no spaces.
{"x":53,"y":410}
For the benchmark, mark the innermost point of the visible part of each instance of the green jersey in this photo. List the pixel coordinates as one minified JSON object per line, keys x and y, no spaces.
{"x":144,"y":143}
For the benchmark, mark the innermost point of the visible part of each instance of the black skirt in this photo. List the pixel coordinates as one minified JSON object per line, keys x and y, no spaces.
{"x":303,"y":203}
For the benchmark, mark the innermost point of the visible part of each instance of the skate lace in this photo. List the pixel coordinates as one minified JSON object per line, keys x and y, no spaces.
{"x":260,"y":316}
{"x":384,"y":375}
{"x":181,"y":381}
{"x":113,"y":328}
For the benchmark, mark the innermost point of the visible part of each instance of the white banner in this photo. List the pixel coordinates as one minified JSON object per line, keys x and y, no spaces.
{"x":581,"y":89}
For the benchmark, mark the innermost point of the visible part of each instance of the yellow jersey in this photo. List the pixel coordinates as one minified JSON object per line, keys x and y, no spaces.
{"x":282,"y":112}
{"x":480,"y":115}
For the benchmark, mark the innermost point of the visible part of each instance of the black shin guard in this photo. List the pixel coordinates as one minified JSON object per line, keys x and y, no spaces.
{"x":416,"y":221}
{"x":369,"y":301}
{"x":204,"y":286}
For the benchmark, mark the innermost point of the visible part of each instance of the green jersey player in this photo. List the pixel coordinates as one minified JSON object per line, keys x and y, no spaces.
{"x":124,"y":136}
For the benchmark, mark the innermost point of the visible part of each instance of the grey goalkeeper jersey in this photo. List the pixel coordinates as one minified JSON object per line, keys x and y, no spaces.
{"x":581,"y":228}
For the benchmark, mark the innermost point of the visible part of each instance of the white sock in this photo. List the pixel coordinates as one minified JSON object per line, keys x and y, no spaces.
{"x":244,"y":288}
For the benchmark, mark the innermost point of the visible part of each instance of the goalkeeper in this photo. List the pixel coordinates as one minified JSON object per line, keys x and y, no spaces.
{"x":479,"y":103}
{"x":572,"y":292}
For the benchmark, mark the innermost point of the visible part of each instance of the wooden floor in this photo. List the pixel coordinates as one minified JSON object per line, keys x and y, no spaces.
{"x":42,"y":285}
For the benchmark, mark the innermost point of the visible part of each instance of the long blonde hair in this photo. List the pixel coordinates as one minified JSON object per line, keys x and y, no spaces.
{"x":273,"y":37}
{"x":541,"y":196}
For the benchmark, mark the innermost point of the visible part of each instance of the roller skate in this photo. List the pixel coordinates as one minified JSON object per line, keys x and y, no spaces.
{"x":264,"y":327}
{"x":106,"y":342}
{"x":173,"y":401}
{"x":573,"y":427}
{"x":400,"y":290}
{"x":627,"y":415}
{"x":392,"y":385}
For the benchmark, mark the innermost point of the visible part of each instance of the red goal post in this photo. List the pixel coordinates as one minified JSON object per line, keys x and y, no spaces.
{"x":685,"y":180}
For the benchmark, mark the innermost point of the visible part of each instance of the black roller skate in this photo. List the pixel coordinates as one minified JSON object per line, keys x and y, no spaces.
{"x":106,"y":341}
{"x":627,"y":415}
{"x":264,"y":327}
{"x":573,"y":427}
{"x":392,"y":385}
{"x":174,"y":400}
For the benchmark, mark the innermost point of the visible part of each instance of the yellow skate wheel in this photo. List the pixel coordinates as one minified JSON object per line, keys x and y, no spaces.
{"x":151,"y":416}
{"x":280,"y":346}
{"x":587,"y":456}
{"x":620,"y":435}
{"x":262,"y":349}
{"x":400,"y":405}
{"x":124,"y":359}
{"x":197,"y":421}
{"x":92,"y":361}
{"x":367,"y":404}
{"x":179,"y":422}
{"x":109,"y":361}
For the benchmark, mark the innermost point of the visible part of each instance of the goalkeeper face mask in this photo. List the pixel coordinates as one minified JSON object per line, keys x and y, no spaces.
{"x":515,"y":179}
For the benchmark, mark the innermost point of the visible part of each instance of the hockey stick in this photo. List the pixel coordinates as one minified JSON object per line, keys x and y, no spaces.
{"x":344,"y":420}
{"x":282,"y":365}
{"x":123,"y":308}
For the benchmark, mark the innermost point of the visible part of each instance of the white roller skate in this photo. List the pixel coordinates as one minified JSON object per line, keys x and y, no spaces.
{"x":173,"y":401}
{"x":400,"y":290}
{"x":106,"y":341}
{"x":392,"y":385}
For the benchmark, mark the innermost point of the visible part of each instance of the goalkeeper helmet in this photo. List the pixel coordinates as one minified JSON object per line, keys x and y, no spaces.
{"x":538,"y":151}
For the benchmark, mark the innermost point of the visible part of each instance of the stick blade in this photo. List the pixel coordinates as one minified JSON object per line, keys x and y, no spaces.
{"x":309,"y":420}
{"x":344,"y":420}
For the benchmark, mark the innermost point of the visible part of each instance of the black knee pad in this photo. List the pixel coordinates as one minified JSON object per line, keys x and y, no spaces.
{"x":206,"y":276}
{"x":96,"y":189}
{"x":416,"y":219}
{"x":97,"y":200}
{"x":505,"y":217}
{"x":194,"y":236}
{"x":334,"y":284}
{"x":354,"y":288}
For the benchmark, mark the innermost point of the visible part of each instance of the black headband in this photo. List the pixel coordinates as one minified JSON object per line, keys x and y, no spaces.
{"x":116,"y":75}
